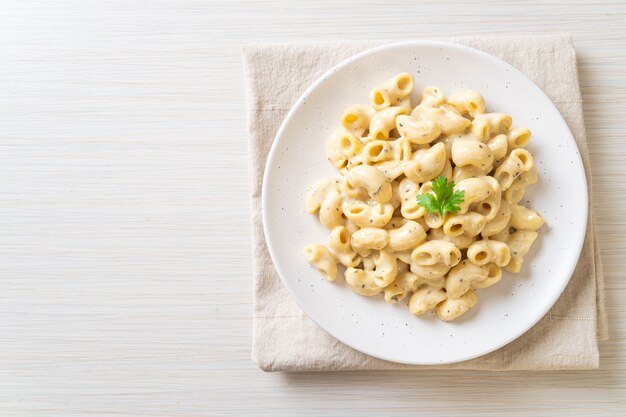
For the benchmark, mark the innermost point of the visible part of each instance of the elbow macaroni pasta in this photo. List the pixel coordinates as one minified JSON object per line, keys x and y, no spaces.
{"x":388,"y":153}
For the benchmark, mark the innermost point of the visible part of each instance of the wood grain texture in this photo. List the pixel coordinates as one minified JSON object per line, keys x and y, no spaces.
{"x":125,"y":272}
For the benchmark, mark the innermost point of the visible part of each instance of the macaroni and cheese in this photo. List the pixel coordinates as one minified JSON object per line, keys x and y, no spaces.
{"x":388,"y":154}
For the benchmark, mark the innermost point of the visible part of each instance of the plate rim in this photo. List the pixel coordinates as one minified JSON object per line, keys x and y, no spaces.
{"x":298,"y":104}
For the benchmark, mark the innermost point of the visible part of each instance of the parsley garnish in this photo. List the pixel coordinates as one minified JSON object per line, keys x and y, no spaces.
{"x":445,"y":200}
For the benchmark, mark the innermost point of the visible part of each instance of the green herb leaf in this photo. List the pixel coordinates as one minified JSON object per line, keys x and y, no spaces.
{"x":428,"y":201}
{"x":445,"y":200}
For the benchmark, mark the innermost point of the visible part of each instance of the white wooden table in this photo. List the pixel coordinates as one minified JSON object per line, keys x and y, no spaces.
{"x":125,"y":272}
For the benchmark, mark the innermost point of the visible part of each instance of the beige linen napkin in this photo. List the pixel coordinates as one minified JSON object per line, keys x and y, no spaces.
{"x":285,"y":339}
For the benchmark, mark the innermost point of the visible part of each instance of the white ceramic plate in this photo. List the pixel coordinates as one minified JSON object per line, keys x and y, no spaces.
{"x":504,"y":311}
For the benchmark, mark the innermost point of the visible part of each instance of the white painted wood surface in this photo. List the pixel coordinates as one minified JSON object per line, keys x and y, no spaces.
{"x":125,"y":273}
